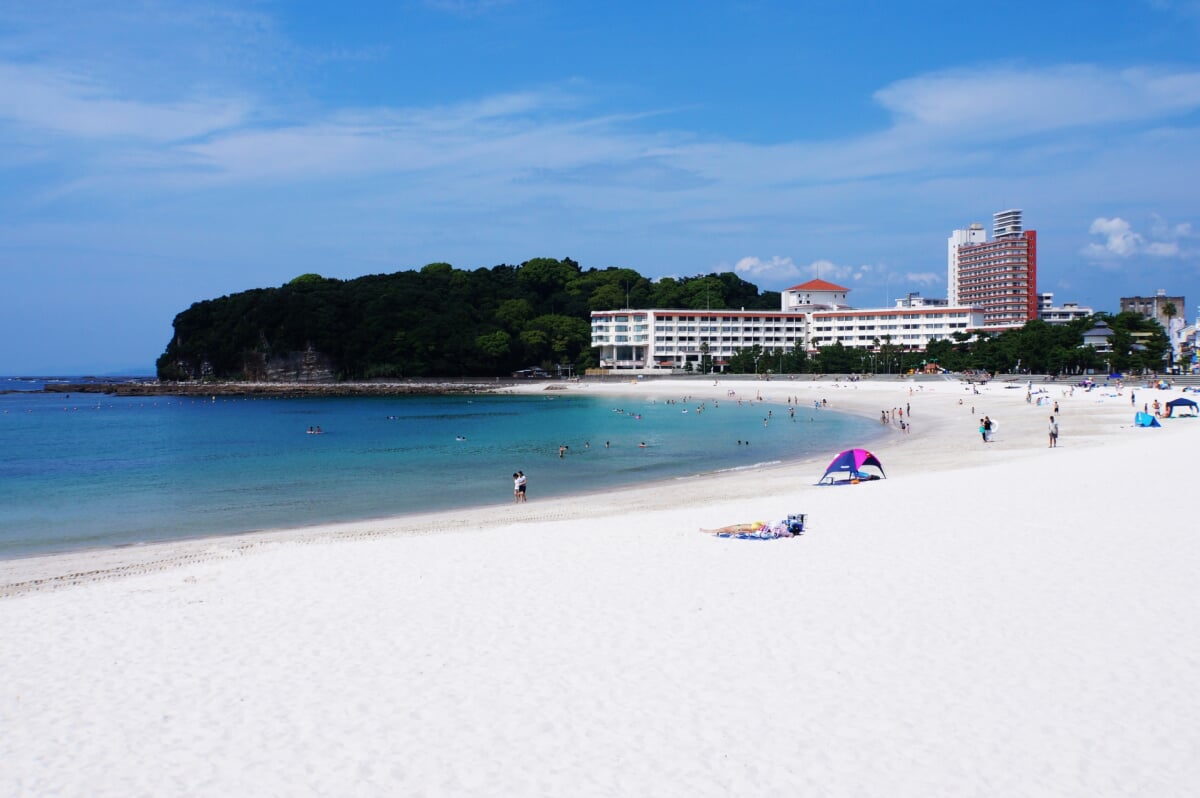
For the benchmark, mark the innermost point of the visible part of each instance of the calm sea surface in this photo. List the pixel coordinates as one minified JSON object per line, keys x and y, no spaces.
{"x":89,"y":470}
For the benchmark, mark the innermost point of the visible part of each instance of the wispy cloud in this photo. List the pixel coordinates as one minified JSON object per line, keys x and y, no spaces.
{"x":556,"y":150}
{"x":44,"y":100}
{"x":1004,"y":102}
{"x":943,"y":123}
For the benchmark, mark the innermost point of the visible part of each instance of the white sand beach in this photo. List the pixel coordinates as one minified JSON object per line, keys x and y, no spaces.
{"x":998,"y":619}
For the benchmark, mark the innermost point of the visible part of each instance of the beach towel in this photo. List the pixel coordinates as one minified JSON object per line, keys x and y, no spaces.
{"x":761,"y":530}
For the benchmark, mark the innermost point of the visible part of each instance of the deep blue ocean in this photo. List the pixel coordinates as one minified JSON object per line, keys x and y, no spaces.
{"x":90,"y":470}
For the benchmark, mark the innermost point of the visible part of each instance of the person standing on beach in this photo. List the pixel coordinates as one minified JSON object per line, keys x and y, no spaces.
{"x":1053,"y":433}
{"x":982,"y":430}
{"x":522,"y":482}
{"x":516,"y":487}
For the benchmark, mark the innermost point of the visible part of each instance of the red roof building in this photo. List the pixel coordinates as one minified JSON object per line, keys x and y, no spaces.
{"x":814,"y":295}
{"x":817,"y":285}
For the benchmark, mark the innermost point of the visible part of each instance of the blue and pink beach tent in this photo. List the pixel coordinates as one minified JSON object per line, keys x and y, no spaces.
{"x":847,"y":468}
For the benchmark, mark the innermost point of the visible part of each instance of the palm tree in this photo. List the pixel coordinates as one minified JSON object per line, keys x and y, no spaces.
{"x":1170,"y":311}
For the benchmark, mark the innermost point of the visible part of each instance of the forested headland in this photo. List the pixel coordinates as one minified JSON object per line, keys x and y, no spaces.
{"x":440,"y":322}
{"x":437,"y":321}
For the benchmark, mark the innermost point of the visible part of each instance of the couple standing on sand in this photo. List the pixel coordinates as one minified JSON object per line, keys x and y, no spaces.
{"x":519,"y":487}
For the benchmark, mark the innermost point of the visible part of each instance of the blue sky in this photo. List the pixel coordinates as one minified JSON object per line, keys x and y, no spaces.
{"x":156,"y":153}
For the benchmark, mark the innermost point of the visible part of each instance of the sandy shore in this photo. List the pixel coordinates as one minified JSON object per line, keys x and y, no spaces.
{"x":993,"y":619}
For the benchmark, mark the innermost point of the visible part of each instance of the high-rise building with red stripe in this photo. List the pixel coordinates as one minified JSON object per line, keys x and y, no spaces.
{"x":1000,"y":275}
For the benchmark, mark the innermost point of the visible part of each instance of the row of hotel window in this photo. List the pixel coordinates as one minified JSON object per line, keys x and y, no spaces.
{"x":991,"y":283}
{"x":867,"y":341}
{"x":689,"y":323}
{"x":980,"y":263}
{"x":772,"y":339}
{"x":816,"y":341}
{"x":734,"y":333}
{"x":603,"y":326}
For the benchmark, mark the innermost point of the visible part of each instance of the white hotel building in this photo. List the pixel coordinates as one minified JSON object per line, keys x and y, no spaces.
{"x":814,"y":314}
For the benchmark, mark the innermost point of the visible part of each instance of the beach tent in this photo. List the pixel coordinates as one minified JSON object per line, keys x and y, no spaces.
{"x":849,"y":467}
{"x":1146,"y":420}
{"x":1180,"y":404}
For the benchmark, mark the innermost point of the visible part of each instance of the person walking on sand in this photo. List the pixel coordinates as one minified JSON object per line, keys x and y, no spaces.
{"x":982,"y":430}
{"x":1053,"y":429}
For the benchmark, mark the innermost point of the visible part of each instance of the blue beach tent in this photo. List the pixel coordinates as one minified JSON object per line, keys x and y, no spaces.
{"x":1180,"y":404}
{"x":1146,"y":420}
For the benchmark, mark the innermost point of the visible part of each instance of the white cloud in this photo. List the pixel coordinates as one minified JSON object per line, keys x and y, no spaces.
{"x":772,"y":270}
{"x":924,"y":278}
{"x":1000,"y":102}
{"x":1119,"y":238}
{"x":1162,"y":230}
{"x":1163,"y":248}
{"x":778,"y":270}
{"x":1122,"y":241}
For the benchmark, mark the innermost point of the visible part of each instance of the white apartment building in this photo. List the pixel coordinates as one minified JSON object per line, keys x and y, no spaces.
{"x":912,"y":324}
{"x":1185,"y":344}
{"x":975,"y":234}
{"x":1055,"y":314}
{"x":813,"y":317}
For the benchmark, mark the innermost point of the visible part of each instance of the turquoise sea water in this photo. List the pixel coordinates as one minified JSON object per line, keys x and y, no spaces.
{"x":90,"y":470}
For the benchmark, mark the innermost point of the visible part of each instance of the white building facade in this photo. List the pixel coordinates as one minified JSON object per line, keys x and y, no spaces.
{"x":975,"y":234}
{"x":814,"y":316}
{"x":1060,"y":314}
{"x":913,"y":324}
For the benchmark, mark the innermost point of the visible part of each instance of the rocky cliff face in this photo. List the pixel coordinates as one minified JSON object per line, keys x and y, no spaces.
{"x":306,"y":366}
